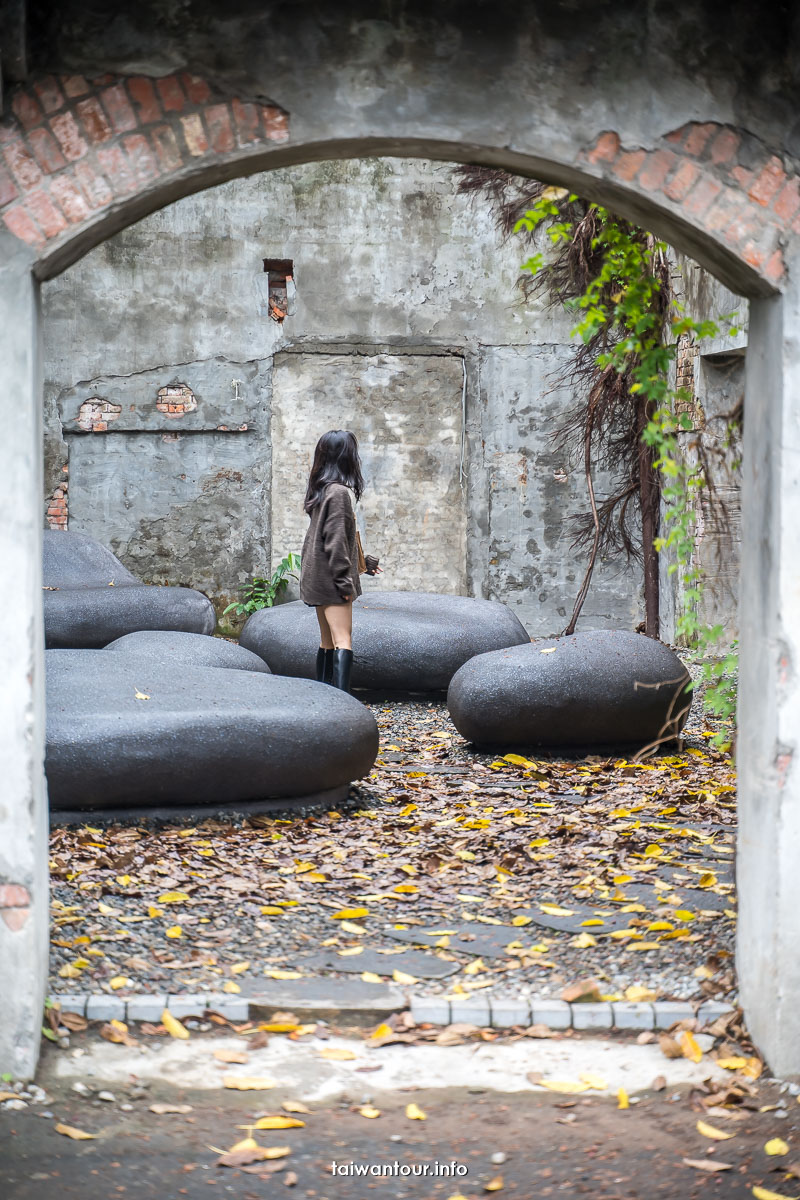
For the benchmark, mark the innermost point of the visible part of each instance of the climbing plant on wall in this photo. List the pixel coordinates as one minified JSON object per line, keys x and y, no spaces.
{"x":629,"y":419}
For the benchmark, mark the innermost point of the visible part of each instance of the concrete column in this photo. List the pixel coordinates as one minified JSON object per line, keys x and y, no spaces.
{"x":23,"y":798}
{"x":768,"y":865}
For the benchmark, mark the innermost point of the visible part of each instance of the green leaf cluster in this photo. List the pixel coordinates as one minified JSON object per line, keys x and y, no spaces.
{"x":261,"y":592}
{"x":622,"y":304}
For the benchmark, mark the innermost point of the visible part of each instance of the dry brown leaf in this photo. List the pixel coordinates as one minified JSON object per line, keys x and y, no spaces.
{"x":161,"y":1109}
{"x":295,"y":1106}
{"x":173,"y":1026}
{"x":248,"y":1083}
{"x":77,"y":1135}
{"x":706,"y":1164}
{"x":231,"y":1056}
{"x":669,"y":1047}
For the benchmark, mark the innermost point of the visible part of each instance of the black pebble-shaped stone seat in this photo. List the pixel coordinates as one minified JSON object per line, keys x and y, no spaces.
{"x":90,"y":598}
{"x":170,"y":648}
{"x":131,"y":735}
{"x":402,"y":641}
{"x":599,"y":688}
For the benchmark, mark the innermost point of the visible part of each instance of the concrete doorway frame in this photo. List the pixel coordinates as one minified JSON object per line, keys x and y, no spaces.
{"x":122,"y":154}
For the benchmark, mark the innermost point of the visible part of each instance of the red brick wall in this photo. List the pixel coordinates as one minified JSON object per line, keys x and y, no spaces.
{"x":72,"y":147}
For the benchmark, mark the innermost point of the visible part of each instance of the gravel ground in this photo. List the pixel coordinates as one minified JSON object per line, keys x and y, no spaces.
{"x":453,"y":849}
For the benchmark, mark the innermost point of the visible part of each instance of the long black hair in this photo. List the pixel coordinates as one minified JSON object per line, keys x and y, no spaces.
{"x":336,"y":460}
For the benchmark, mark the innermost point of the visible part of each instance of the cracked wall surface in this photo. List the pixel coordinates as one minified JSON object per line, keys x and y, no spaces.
{"x":394,"y":275}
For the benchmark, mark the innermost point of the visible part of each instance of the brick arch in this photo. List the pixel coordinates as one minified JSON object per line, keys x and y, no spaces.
{"x":84,"y":157}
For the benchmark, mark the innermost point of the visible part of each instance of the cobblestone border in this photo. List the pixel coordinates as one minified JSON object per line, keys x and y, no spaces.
{"x":499,"y":1012}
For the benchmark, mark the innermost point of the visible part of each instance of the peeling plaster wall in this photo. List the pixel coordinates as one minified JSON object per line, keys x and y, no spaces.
{"x":388,"y":262}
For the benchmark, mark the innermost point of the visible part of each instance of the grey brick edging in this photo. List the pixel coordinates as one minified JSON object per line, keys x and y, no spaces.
{"x":494,"y":1012}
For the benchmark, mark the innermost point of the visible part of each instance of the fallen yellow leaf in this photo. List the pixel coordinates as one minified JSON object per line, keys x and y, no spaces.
{"x":732,"y":1064}
{"x":593,"y":1081}
{"x":77,"y":1135}
{"x":119,"y":981}
{"x":248,"y":1083}
{"x":636,"y":993}
{"x":709,"y":1131}
{"x":277,"y":1123}
{"x":174,"y":931}
{"x":689,"y":1046}
{"x":351,"y":927}
{"x":337,"y":1054}
{"x":553,"y":910}
{"x":370,"y":1112}
{"x":381,"y":1031}
{"x":239,"y":968}
{"x":521,"y":920}
{"x":583,"y":941}
{"x":283,"y":974}
{"x":173,"y":1025}
{"x":495,"y":1185}
{"x":231,"y":1056}
{"x":296,"y":1106}
{"x":764,"y":1194}
{"x":776,"y":1146}
{"x":370,"y":977}
{"x":68,"y":972}
{"x":172,"y":898}
{"x":350,"y":914}
{"x":415,"y":1113}
{"x":230,"y":986}
{"x":402,"y":977}
{"x":568,"y":1087}
{"x":622,"y":1099}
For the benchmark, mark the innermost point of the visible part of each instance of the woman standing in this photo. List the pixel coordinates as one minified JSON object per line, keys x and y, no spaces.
{"x":331,"y":558}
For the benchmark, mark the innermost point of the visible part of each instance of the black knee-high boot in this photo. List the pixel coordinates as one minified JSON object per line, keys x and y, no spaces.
{"x":324,"y":665}
{"x":342,"y":666}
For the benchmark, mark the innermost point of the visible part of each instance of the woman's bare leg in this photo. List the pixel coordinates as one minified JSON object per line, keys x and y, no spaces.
{"x":339,"y":620}
{"x":325,"y":637}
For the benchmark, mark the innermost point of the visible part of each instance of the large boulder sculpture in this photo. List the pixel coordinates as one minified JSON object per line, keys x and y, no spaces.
{"x":170,"y":648}
{"x":90,"y":598}
{"x":599,"y":688}
{"x":402,"y":641}
{"x":129,"y":736}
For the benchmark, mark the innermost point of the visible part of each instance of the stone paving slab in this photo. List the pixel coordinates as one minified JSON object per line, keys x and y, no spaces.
{"x":411,"y":962}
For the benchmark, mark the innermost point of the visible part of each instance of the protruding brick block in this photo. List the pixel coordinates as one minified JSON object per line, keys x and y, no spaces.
{"x":171,"y":93}
{"x":474,"y":1010}
{"x":46,"y":150}
{"x":145,"y":1008}
{"x":105,"y":1008}
{"x":72,"y":142}
{"x":94,"y":120}
{"x":118,"y":108}
{"x":187,"y":1006}
{"x":667,"y":1012}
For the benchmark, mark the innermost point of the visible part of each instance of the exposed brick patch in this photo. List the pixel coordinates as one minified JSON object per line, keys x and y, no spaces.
{"x":171,"y":93}
{"x":144,"y":97}
{"x":117,"y":170}
{"x":606,"y":149}
{"x":74,"y":85}
{"x":141,"y":158}
{"x":23,"y":226}
{"x":724,"y":146}
{"x":176,"y":400}
{"x":768,"y":182}
{"x":71,"y":199}
{"x":682,"y":181}
{"x":7,"y":190}
{"x":71,"y":146}
{"x":95,"y":188}
{"x":166,"y":146}
{"x":697,"y":138}
{"x":627,"y":165}
{"x":93,"y":120}
{"x":22,"y":166}
{"x":94,"y":416}
{"x":65,"y":127}
{"x":246,"y":118}
{"x":701,"y":197}
{"x":657,"y":166}
{"x":197,"y":89}
{"x":118,"y":108}
{"x":788,"y":200}
{"x":775,"y":268}
{"x":49,"y":217}
{"x":27,"y":109}
{"x":195,"y":134}
{"x":49,"y":94}
{"x":219,"y":128}
{"x":46,"y":150}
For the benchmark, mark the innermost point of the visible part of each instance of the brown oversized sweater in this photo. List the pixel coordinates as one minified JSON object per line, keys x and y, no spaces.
{"x":329,"y":559}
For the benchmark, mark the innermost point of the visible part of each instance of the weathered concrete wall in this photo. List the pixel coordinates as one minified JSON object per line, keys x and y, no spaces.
{"x":405,"y":323}
{"x":712,"y":371}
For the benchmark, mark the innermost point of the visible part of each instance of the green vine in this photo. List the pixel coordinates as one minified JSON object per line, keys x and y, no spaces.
{"x":261,"y":592}
{"x":623,"y":304}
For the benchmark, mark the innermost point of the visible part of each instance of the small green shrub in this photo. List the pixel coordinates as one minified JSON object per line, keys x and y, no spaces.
{"x":263,"y":593}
